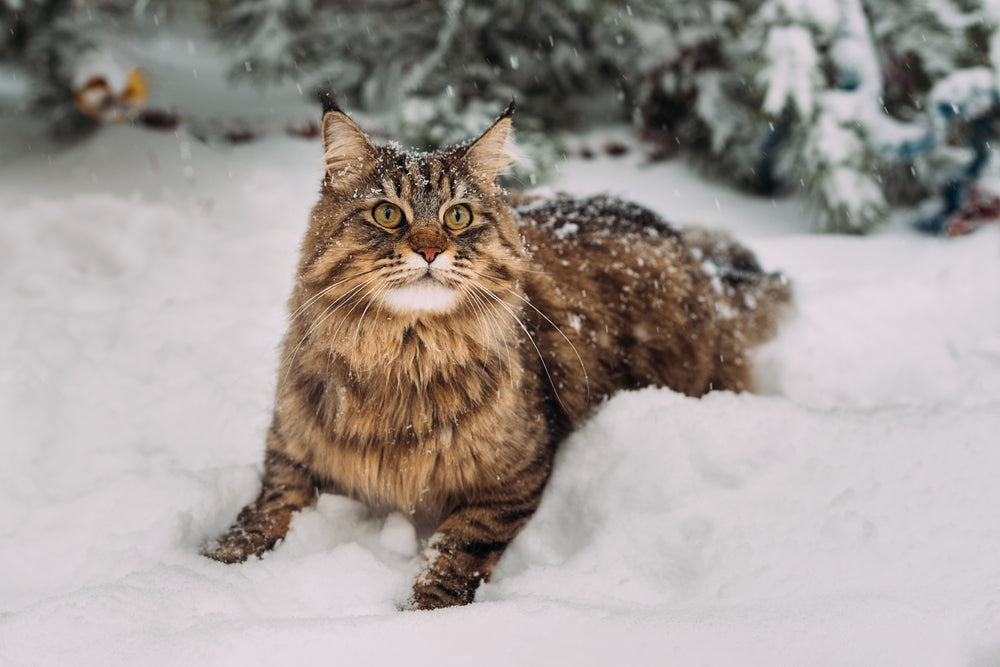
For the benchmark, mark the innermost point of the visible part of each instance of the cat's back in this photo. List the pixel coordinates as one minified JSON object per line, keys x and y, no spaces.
{"x":601,"y":252}
{"x":638,"y":302}
{"x":622,"y":296}
{"x":592,"y":220}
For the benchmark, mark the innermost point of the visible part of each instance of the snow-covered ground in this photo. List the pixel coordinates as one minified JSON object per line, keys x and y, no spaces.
{"x":848,"y":515}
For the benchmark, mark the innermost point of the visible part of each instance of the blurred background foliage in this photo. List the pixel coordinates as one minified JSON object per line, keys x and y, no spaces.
{"x":859,"y":106}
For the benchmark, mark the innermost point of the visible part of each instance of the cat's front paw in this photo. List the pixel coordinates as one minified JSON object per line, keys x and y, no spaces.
{"x":434,"y":593}
{"x":255,"y":531}
{"x":237,"y":544}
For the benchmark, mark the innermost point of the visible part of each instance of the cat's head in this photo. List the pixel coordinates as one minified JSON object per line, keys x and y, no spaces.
{"x":418,"y":234}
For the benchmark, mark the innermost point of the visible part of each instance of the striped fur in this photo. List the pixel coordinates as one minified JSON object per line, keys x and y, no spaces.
{"x":442,"y":389}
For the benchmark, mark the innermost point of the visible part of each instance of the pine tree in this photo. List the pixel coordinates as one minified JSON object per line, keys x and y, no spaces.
{"x":438,"y":72}
{"x":848,"y":102}
{"x":30,"y":31}
{"x":856,"y":105}
{"x":375,"y":55}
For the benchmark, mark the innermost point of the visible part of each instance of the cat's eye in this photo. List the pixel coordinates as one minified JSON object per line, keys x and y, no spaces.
{"x":457,"y":217}
{"x":388,"y":215}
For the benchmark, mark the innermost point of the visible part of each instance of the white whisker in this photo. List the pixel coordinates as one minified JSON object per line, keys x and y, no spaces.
{"x":326,"y":290}
{"x":506,"y":261}
{"x":586,"y":376}
{"x":343,"y":320}
{"x":524,"y":328}
{"x":328,"y":312}
{"x":374,"y":294}
{"x":579,"y":359}
{"x":492,"y":323}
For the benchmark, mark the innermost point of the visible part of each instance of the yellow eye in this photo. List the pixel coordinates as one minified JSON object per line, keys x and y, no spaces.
{"x":457,"y":217}
{"x":388,"y":215}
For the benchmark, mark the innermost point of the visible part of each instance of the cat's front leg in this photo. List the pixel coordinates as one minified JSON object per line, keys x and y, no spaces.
{"x":465,"y":549}
{"x":287,"y":487}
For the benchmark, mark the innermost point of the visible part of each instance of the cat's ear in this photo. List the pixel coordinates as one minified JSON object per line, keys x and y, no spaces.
{"x":488,"y":155}
{"x":346,"y":148}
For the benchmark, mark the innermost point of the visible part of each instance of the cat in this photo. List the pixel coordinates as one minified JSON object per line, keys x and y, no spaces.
{"x":445,"y":336}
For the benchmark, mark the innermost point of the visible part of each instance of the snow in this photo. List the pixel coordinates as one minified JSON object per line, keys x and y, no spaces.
{"x":854,"y":52}
{"x":790,"y":73}
{"x":846,"y":515}
{"x":966,"y":93}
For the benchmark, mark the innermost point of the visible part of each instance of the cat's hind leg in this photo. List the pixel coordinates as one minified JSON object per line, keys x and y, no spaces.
{"x":287,"y":487}
{"x":750,"y":303}
{"x":756,"y":299}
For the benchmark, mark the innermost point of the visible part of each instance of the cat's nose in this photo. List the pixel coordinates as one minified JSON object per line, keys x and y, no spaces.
{"x":429,"y":253}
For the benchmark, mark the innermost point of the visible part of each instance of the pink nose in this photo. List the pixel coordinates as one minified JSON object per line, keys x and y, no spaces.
{"x":429,"y":253}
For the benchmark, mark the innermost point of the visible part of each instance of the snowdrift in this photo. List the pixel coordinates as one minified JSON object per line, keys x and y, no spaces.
{"x":847,"y":515}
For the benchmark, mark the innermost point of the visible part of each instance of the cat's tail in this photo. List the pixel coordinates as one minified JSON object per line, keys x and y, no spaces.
{"x":751,"y":300}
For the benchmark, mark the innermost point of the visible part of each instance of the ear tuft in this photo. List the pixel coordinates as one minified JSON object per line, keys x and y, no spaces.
{"x":489,"y":155}
{"x":327,"y":101}
{"x":345,"y":145}
{"x":509,"y":111}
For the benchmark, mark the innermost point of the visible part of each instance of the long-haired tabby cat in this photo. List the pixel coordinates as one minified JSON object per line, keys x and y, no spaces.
{"x":444,"y":339}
